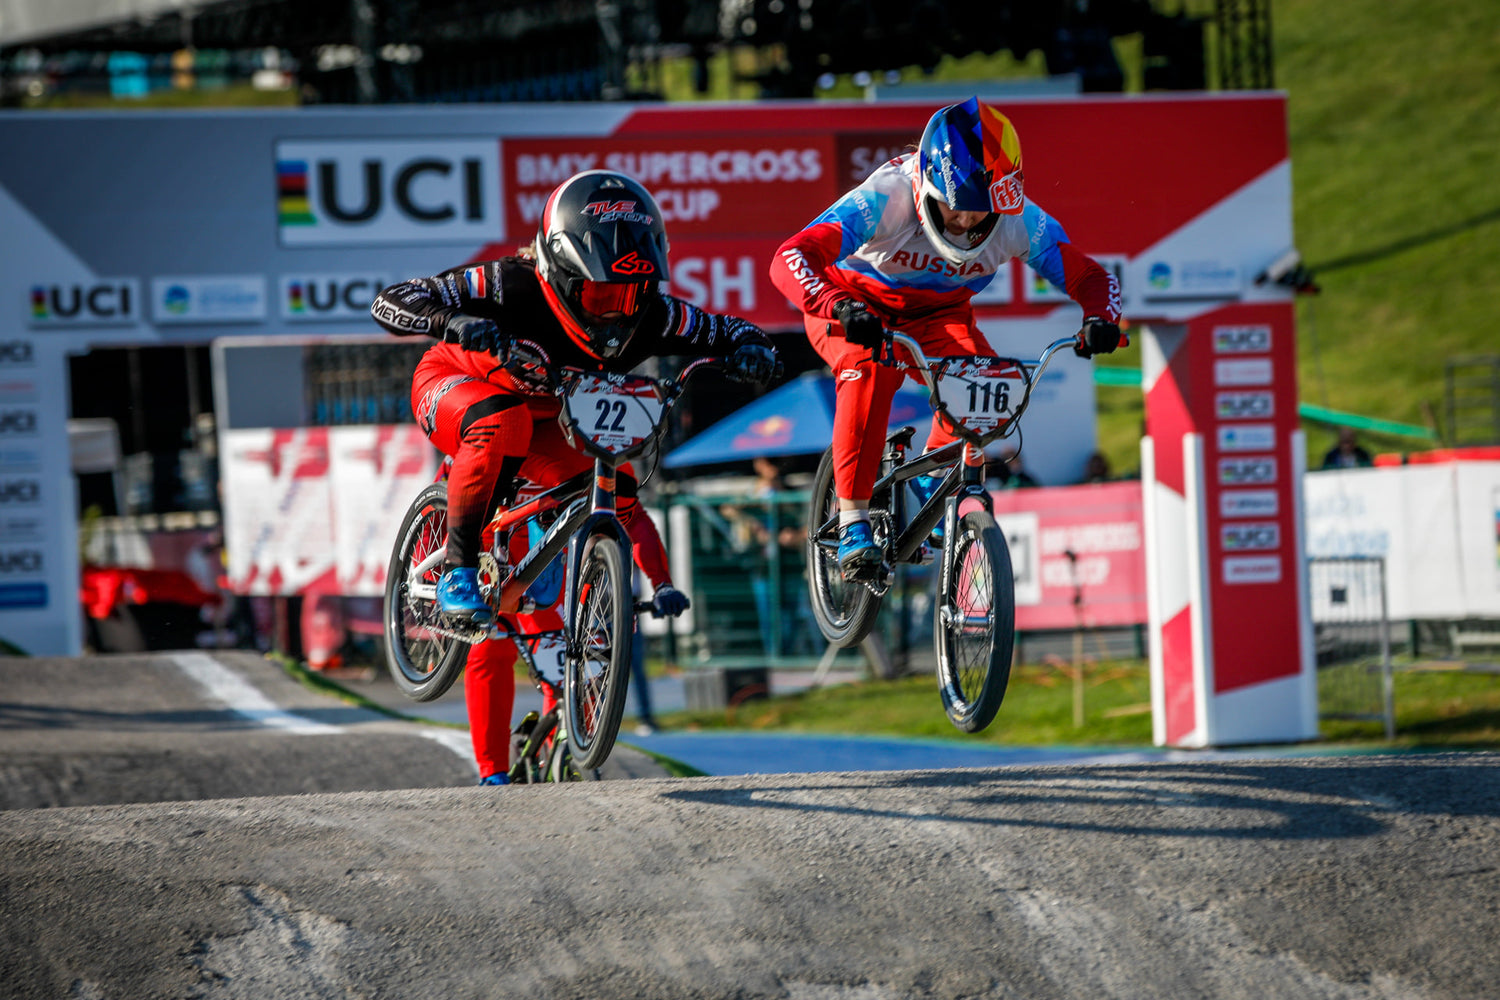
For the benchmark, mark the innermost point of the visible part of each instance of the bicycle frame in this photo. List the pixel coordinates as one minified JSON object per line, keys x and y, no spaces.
{"x":963,"y":481}
{"x":589,"y":507}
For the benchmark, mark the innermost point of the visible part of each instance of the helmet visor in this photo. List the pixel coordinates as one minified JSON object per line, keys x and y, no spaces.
{"x":609,"y":299}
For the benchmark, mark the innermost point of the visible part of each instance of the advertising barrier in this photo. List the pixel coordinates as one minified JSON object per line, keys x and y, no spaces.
{"x":185,"y":227}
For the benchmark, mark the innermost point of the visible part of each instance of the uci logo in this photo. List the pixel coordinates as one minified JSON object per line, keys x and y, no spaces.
{"x":329,"y":296}
{"x":104,"y":303}
{"x":1242,"y":339}
{"x":353,"y":191}
{"x":17,"y":423}
{"x":20,"y":492}
{"x":16,"y":353}
{"x":20,"y":561}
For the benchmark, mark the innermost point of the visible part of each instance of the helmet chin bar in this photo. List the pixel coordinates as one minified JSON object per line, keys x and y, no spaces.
{"x":937,"y":233}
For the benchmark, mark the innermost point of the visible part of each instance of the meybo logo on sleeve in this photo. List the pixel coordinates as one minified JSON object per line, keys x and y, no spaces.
{"x":100,"y":302}
{"x":332,"y":192}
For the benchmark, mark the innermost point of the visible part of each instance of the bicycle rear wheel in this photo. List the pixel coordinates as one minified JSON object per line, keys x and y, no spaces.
{"x":975,"y":622}
{"x":845,"y":611}
{"x":598,"y":668}
{"x":423,"y":662}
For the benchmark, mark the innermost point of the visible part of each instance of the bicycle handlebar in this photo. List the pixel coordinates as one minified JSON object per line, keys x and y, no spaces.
{"x":923,"y":365}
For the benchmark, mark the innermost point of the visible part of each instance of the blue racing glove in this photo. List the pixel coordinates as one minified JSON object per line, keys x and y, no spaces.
{"x":669,"y":602}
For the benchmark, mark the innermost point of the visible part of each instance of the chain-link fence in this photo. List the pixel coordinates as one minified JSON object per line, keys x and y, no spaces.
{"x":1352,"y":636}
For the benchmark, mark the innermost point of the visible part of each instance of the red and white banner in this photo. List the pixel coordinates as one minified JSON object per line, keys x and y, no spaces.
{"x":1078,"y":553}
{"x":278,"y":519}
{"x":317,"y":510}
{"x":375,"y":472}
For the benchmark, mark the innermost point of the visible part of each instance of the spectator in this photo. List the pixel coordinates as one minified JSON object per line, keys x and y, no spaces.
{"x":1347,"y":454}
{"x":1096,"y":469}
{"x":1009,"y":474}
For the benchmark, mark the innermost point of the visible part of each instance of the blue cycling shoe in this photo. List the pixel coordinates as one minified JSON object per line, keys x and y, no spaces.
{"x":924,"y":487}
{"x":498,"y":778}
{"x":858,"y":554}
{"x":458,"y":594}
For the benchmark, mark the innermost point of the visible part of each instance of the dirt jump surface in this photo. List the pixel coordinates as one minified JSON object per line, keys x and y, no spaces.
{"x":1329,"y":877}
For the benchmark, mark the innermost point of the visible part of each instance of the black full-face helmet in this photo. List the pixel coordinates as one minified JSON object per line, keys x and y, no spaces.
{"x":601,"y":254}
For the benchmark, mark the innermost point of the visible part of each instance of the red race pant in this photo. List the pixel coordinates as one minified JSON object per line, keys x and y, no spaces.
{"x":863,"y":390}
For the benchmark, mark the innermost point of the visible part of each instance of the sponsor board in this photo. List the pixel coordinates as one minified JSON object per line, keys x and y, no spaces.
{"x":337,"y":192}
{"x":1257,"y":471}
{"x":1243,"y":371}
{"x":1245,"y":405}
{"x":1249,"y":503}
{"x":102,"y":302}
{"x":1250,"y":536}
{"x":1191,"y":279}
{"x":1252,"y":569}
{"x":14,"y":596}
{"x":20,"y":491}
{"x":1037,"y":289}
{"x":17,"y":422}
{"x":21,"y":562}
{"x":1020,"y":529}
{"x":1242,"y":339}
{"x":1247,"y":437}
{"x":218,"y":299}
{"x":709,"y":186}
{"x":17,"y":354}
{"x":310,"y":298}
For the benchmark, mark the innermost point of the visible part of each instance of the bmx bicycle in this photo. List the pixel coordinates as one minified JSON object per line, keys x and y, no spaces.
{"x":980,"y":399}
{"x":612,"y":418}
{"x":539,"y":750}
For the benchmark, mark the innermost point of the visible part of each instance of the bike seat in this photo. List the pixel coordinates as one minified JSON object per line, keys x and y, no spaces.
{"x":901,"y":438}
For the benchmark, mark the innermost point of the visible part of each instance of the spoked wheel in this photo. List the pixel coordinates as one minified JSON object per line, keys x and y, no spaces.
{"x":975,"y":626}
{"x":598,"y":667}
{"x":423,"y":661}
{"x":562,"y":767}
{"x":845,"y":611}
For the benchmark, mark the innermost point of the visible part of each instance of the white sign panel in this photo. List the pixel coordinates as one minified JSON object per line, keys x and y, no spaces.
{"x":100,"y":302}
{"x":226,"y":298}
{"x":1247,"y":437}
{"x":311,"y":298}
{"x":338,"y":192}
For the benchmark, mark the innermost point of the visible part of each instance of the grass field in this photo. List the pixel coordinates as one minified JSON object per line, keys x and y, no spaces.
{"x":1434,"y":708}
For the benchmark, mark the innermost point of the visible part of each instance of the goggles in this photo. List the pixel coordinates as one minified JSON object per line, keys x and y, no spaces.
{"x":601,"y":298}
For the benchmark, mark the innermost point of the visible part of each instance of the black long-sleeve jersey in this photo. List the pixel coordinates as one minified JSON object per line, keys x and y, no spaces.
{"x":508,"y":292}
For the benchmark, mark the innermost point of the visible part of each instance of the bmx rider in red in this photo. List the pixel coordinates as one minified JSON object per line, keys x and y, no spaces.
{"x":907,"y":249}
{"x":588,"y":291}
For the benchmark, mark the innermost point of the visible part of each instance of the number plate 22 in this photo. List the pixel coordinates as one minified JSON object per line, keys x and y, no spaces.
{"x":616,"y":412}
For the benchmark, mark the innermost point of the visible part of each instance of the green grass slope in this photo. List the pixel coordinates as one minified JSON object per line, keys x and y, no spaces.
{"x":1394,"y":119}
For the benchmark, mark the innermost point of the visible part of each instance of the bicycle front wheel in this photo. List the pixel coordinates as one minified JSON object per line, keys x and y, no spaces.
{"x":975,"y":622}
{"x":423,"y":662}
{"x":845,"y":611}
{"x":562,"y":767}
{"x":598,"y":667}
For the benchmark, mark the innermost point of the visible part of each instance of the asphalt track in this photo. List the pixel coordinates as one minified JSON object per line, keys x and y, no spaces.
{"x":280,"y":844}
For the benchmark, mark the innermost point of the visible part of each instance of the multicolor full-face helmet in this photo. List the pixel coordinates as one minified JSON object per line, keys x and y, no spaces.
{"x":970,"y":161}
{"x":601,"y":255}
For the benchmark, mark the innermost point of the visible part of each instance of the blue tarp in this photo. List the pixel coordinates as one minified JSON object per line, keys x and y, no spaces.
{"x":796,"y":419}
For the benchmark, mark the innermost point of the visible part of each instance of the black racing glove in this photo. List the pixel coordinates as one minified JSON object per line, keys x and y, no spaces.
{"x":669,"y":602}
{"x":861,"y":327}
{"x":473,"y":333}
{"x":752,"y":363}
{"x":1098,"y":336}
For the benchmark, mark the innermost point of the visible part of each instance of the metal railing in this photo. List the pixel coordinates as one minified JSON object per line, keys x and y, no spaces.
{"x":1352,"y":636}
